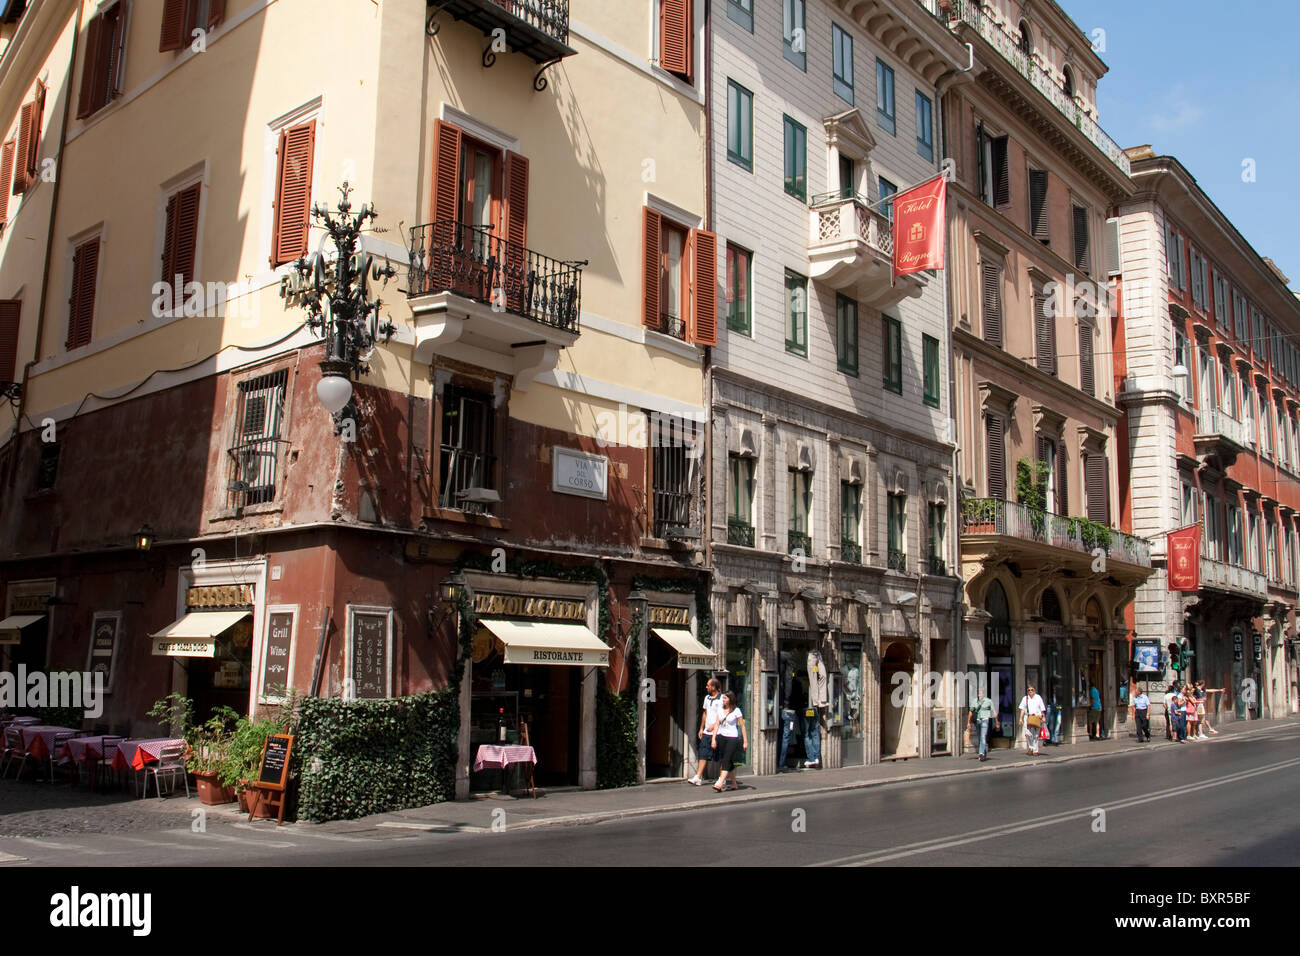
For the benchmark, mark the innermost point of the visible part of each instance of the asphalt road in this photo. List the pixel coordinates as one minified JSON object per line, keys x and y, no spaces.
{"x":1223,"y":803}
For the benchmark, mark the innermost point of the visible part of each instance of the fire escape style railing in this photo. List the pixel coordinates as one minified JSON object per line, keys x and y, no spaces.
{"x":1214,"y":421}
{"x":449,"y":256}
{"x":841,"y":215}
{"x":1229,"y":577}
{"x":1013,"y":519}
{"x":740,"y":532}
{"x":1008,"y":46}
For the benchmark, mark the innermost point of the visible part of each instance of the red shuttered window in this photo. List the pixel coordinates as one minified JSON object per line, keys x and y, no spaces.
{"x":675,"y":20}
{"x":180,"y":18}
{"x":101,"y":70}
{"x":292,"y":211}
{"x":6,"y":171}
{"x":180,"y":240}
{"x":81,"y":305}
{"x":704,"y":287}
{"x":9,"y":311}
{"x":651,"y":269}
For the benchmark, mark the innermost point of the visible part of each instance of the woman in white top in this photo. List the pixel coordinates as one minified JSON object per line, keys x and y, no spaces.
{"x":1032,"y":706}
{"x":729,"y":737}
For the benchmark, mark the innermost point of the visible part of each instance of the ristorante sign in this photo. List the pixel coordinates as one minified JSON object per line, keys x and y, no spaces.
{"x":519,"y":605}
{"x":919,"y":227}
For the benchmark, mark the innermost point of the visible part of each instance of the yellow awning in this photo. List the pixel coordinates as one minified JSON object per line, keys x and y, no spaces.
{"x":691,"y":654}
{"x":11,"y":628}
{"x":195,"y":634}
{"x":544,"y":642}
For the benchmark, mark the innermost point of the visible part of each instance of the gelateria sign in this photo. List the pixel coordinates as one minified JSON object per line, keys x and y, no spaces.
{"x":520,"y":605}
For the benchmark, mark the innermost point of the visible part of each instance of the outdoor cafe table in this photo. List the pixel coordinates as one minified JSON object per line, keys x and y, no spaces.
{"x":138,"y":754}
{"x":39,"y":738}
{"x":491,"y":756}
{"x":85,"y":750}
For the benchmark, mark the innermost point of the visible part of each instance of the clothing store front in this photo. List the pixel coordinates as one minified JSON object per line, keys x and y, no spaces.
{"x":530,"y":658}
{"x":674,"y":659}
{"x":1056,"y":683}
{"x":847,"y":706}
{"x":736,"y":678}
{"x":803,"y":698}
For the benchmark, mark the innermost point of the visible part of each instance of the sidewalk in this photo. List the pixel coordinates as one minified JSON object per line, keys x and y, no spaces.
{"x":574,"y":807}
{"x":30,"y":809}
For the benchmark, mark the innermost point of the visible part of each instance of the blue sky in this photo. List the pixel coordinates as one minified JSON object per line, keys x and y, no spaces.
{"x":1212,"y":84}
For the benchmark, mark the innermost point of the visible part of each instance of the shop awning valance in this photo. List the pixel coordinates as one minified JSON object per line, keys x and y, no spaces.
{"x":691,"y":654}
{"x":11,"y":628}
{"x":195,"y":634}
{"x":544,"y":642}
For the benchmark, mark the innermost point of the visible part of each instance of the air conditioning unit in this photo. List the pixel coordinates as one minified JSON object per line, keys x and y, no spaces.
{"x":477,"y":501}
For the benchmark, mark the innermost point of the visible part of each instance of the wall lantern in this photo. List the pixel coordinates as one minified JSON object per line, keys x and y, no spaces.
{"x":144,"y":538}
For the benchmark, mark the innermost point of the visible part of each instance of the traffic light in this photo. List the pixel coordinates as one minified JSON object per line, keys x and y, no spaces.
{"x":1175,"y":656}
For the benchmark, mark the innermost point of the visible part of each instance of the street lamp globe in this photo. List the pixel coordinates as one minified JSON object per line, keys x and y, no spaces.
{"x":334,"y":392}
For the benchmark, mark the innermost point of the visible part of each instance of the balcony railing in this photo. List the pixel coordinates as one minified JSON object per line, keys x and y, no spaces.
{"x":846,"y":215}
{"x":994,"y":516}
{"x":798,"y":541}
{"x":470,"y":261}
{"x":1229,"y":577}
{"x":938,"y":565}
{"x":1008,"y":46}
{"x":897,"y":560}
{"x":251,"y":474}
{"x":1214,"y":421}
{"x":851,"y":552}
{"x":537,"y":28}
{"x":740,"y":532}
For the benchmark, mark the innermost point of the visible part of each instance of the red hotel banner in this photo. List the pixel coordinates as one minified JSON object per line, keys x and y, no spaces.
{"x":1183,"y":558}
{"x":918,"y":227}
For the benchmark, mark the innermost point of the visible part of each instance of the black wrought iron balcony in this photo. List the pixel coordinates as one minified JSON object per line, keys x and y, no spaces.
{"x":467,"y":260}
{"x":897,"y":560}
{"x":740,"y":532}
{"x":938,"y":565}
{"x":799,"y":541}
{"x":539,"y":29}
{"x":851,"y":552}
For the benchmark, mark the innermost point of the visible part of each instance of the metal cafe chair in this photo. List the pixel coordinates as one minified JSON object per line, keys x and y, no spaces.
{"x":171,"y":761}
{"x":108,"y":747}
{"x":14,"y":751}
{"x":59,"y":740}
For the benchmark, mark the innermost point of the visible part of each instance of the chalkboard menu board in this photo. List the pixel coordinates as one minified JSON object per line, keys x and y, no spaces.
{"x":275,"y":760}
{"x":276,"y":657}
{"x":369,"y":654}
{"x":103,"y":646}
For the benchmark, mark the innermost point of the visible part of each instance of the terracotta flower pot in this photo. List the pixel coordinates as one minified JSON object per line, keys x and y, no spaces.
{"x":211,"y":792}
{"x":246,"y":797}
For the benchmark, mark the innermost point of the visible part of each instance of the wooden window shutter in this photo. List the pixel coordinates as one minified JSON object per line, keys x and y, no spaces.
{"x":89,"y":67}
{"x":979,"y":160}
{"x":516,"y":230}
{"x":651,"y":230}
{"x":169,"y":247}
{"x":1087,"y":381}
{"x":293,"y":194}
{"x":216,"y":12}
{"x":85,"y":267}
{"x":675,"y":37}
{"x":704,"y":298}
{"x":24,"y":147}
{"x":1082,"y":253}
{"x":172,"y":36}
{"x":444,"y":205}
{"x":1041,"y":444}
{"x":9,"y":310}
{"x":181,"y":238}
{"x":1044,"y":334}
{"x":991,"y":296}
{"x":6,"y":172}
{"x":116,"y":49}
{"x":1062,"y":493}
{"x":1095,"y":474}
{"x":1001,"y":174}
{"x":997,"y":458}
{"x":1038,"y":204}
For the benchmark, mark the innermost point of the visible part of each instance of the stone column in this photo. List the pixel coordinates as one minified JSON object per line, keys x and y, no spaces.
{"x":871,"y":702}
{"x":765,"y":751}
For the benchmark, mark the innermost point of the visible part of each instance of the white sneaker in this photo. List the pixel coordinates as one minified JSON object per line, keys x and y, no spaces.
{"x":1202,"y":737}
{"x":695,"y":781}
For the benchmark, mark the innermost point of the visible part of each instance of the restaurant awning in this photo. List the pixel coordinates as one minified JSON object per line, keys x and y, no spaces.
{"x":544,"y":642}
{"x":691,"y":654}
{"x":11,"y":628}
{"x":195,"y":634}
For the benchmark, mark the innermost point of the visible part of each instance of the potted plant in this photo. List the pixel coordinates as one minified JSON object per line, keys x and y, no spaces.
{"x":209,"y":750}
{"x":244,"y":755}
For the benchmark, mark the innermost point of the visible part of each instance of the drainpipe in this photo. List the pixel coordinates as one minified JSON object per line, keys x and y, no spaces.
{"x":49,"y":235}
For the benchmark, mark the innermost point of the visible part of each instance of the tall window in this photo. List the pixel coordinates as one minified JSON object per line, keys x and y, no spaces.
{"x":740,"y":503}
{"x":740,"y":125}
{"x":848,"y":176}
{"x":930,"y":357}
{"x":885,"y":97}
{"x":991,"y":301}
{"x":1087,"y":379}
{"x":673,"y":287}
{"x":846,"y":335}
{"x":850,"y":522}
{"x":1097,"y":476}
{"x":1212,"y":521}
{"x":842,"y":63}
{"x":887,"y":189}
{"x":739,"y":265}
{"x":1198,"y":279}
{"x":677,"y":38}
{"x":1183,"y":357}
{"x":995,"y":455}
{"x":1266,"y":422}
{"x":800,"y":537}
{"x":101,"y":69}
{"x":796,"y":295}
{"x":1174,"y":255}
{"x":1222,"y":317}
{"x":295,"y":156}
{"x":180,"y":239}
{"x":924,"y":126}
{"x":793,"y":36}
{"x":1236,"y":541}
{"x":938,"y":534}
{"x":1228,"y":381}
{"x":742,"y":12}
{"x":992,"y":174}
{"x":81,"y":305}
{"x":796,"y":160}
{"x":1082,"y":240}
{"x":674,"y":473}
{"x":892,"y":356}
{"x":1047,"y":455}
{"x":467,"y":459}
{"x":259,"y":417}
{"x":1188,"y":515}
{"x":1039,"y":220}
{"x":898,"y":532}
{"x":1044,"y":333}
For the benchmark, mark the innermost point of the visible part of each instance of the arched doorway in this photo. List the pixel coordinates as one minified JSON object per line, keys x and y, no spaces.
{"x":898,"y":709}
{"x":999,"y":663}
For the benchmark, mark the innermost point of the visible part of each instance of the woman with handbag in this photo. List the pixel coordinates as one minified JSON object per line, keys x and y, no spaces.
{"x":1032,"y":710}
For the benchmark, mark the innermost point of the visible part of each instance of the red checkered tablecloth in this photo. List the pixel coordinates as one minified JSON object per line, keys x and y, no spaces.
{"x":490,"y":756}
{"x":138,"y":754}
{"x":39,"y":738}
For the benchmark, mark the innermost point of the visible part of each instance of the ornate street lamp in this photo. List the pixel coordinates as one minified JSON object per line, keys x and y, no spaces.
{"x":144,"y":538}
{"x":336,"y":296}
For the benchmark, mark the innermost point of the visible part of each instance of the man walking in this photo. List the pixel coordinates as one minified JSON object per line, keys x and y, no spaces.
{"x":709,"y":716}
{"x":1141,"y":710}
{"x":981,"y":712}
